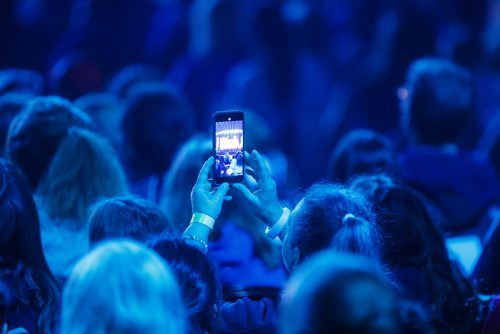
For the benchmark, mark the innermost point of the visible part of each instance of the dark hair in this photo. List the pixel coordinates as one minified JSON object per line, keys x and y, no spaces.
{"x":327,"y":294}
{"x":361,"y":151}
{"x":15,"y":80}
{"x":127,"y":217}
{"x":156,"y":121}
{"x":411,"y":240}
{"x":441,"y":101}
{"x":34,"y":134}
{"x":21,"y":247}
{"x":10,"y":105}
{"x":195,"y":273}
{"x":333,"y":216}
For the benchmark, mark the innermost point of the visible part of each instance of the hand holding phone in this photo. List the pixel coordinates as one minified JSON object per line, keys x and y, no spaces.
{"x":228,"y":150}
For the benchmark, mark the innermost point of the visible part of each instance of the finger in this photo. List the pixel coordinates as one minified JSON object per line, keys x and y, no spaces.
{"x":262,"y":168}
{"x":228,"y":198}
{"x":251,"y":172}
{"x":221,"y":192}
{"x":245,"y":192}
{"x":205,"y":170}
{"x":250,"y":160}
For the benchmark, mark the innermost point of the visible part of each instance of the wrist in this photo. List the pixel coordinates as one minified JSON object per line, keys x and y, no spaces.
{"x":279,"y":226}
{"x":203,"y":219}
{"x":273,"y":216}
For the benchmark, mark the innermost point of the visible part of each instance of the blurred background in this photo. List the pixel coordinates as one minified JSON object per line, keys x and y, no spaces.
{"x":310,"y":70}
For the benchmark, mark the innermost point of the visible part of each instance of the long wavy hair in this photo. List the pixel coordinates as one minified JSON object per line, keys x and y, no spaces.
{"x":83,"y":170}
{"x":412,"y":240}
{"x":21,"y":248}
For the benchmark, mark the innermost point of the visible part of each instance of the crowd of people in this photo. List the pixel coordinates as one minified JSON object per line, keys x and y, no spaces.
{"x":366,"y":152}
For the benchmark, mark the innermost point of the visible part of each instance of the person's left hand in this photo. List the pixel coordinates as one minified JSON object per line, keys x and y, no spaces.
{"x":203,"y":198}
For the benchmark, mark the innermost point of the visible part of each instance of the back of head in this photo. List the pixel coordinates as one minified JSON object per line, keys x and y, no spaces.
{"x":339,"y":293}
{"x":410,"y":236}
{"x":106,"y":111}
{"x":157,"y":120}
{"x":411,"y":240}
{"x":15,"y":80}
{"x":359,"y":152}
{"x":84,"y":169}
{"x":121,"y":84}
{"x":122,"y":287}
{"x":440,"y":106}
{"x":21,"y":250}
{"x":197,"y":279}
{"x":127,"y":217}
{"x":333,"y":216}
{"x":10,"y":105}
{"x":34,"y":134}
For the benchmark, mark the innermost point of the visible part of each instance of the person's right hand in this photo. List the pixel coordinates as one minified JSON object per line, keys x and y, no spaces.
{"x":261,"y":195}
{"x":203,"y":198}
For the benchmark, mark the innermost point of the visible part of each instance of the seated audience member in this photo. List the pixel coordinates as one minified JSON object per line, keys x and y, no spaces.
{"x":360,"y":152}
{"x":438,"y":114}
{"x":243,"y":255}
{"x":15,"y":80}
{"x":106,"y":111}
{"x":127,"y":217}
{"x":198,"y":283}
{"x":414,"y":250}
{"x":34,"y":134}
{"x":122,"y":287}
{"x":32,"y":292}
{"x":157,"y":120}
{"x":344,"y":293}
{"x":328,"y":216}
{"x":83,"y":170}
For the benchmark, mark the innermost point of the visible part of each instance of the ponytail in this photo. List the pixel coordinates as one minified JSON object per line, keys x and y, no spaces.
{"x":357,"y":235}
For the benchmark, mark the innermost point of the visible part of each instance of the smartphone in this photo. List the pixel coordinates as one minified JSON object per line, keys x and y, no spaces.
{"x":228,"y":133}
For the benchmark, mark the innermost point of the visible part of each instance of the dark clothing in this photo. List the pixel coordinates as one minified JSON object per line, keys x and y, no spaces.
{"x":247,"y":315}
{"x":462,"y":185}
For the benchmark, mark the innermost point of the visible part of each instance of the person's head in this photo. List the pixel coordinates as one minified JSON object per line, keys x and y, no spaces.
{"x":330,"y":216}
{"x":106,"y":111}
{"x":361,"y":151}
{"x":124,"y":80}
{"x":15,"y":80}
{"x":157,"y":120}
{"x":409,"y":234}
{"x":83,"y":170}
{"x":411,"y":240}
{"x":336,"y":292}
{"x":122,"y":287}
{"x":180,"y":177}
{"x":34,"y":134}
{"x":20,"y":242}
{"x":197,"y":279}
{"x":439,"y":102}
{"x":10,"y":105}
{"x":127,"y":217}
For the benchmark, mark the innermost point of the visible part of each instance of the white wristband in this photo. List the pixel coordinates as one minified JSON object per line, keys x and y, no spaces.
{"x":203,"y":219}
{"x":278,"y":227}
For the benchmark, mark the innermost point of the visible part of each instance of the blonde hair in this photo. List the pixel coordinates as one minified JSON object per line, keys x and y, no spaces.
{"x":84,"y":169}
{"x":122,"y":287}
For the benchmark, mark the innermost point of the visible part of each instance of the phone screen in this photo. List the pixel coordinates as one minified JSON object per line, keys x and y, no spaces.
{"x":228,"y":146}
